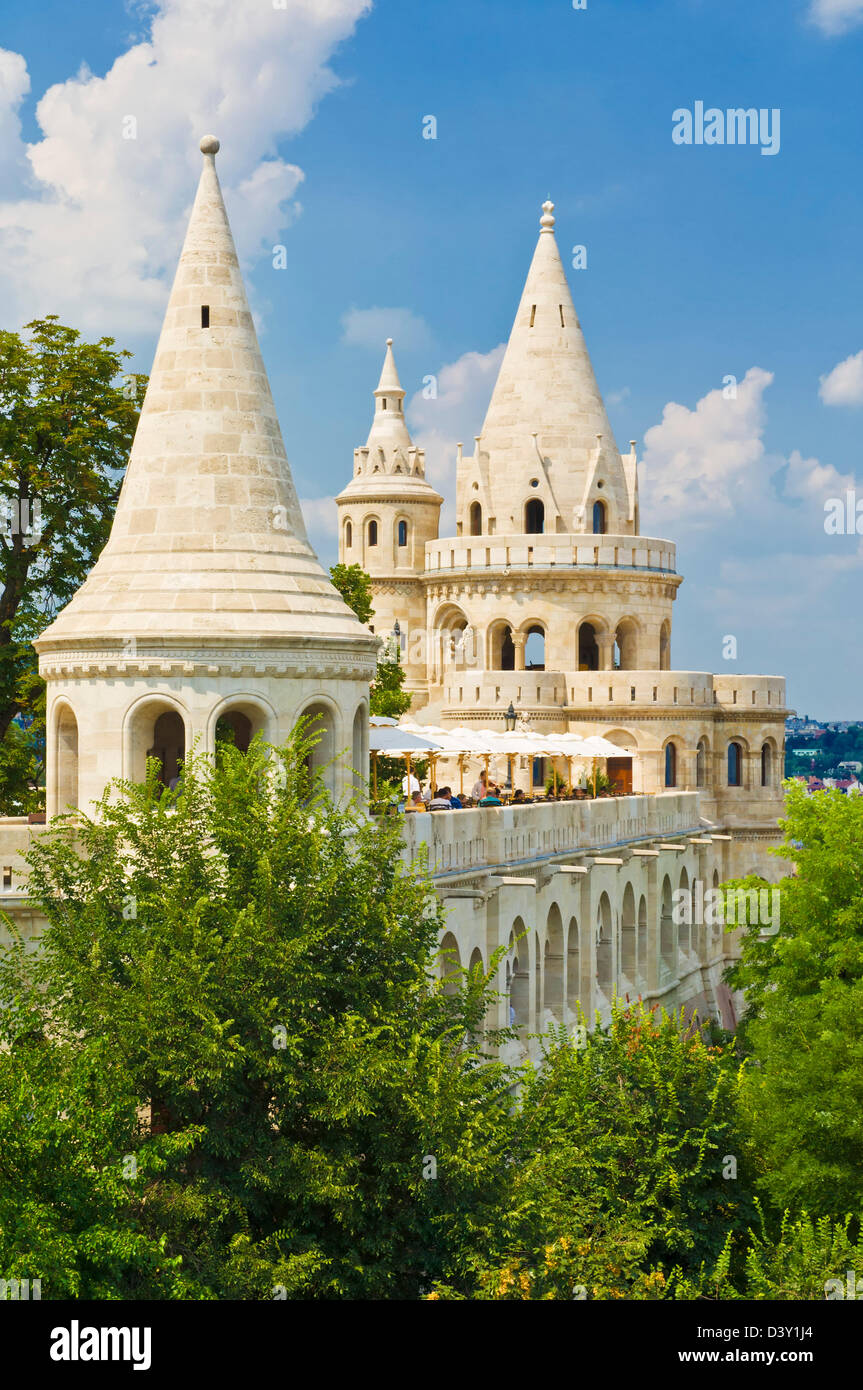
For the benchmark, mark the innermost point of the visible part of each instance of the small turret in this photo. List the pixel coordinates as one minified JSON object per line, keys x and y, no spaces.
{"x":387,"y":513}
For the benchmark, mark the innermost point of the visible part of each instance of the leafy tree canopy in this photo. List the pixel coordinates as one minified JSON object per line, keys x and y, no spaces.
{"x":66,"y":427}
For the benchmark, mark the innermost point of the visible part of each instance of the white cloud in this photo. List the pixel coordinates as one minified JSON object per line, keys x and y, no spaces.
{"x":371,"y":328}
{"x":809,"y":479}
{"x":322,"y":523}
{"x":618,"y":397}
{"x":844,"y":385}
{"x":836,"y":16}
{"x":697,"y":463}
{"x":92,"y":226}
{"x":454,"y":415}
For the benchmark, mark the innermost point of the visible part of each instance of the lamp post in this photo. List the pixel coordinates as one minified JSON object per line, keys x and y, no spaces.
{"x":510,"y":719}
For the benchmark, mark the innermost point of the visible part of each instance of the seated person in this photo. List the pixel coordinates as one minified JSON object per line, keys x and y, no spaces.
{"x":518,"y":795}
{"x":491,"y":798}
{"x":441,"y":800}
{"x":416,"y":802}
{"x":410,"y":785}
{"x":455,"y":802}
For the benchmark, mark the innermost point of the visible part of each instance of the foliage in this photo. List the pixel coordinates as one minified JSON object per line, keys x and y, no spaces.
{"x":796,"y":1262}
{"x":249,"y":966}
{"x":22,"y":766}
{"x":66,"y":427}
{"x":355,"y":587}
{"x":620,"y":1149}
{"x":804,"y":988}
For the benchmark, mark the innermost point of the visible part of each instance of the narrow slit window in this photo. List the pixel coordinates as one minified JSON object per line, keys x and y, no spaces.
{"x":532,"y":314}
{"x":562,"y":322}
{"x":205,"y":315}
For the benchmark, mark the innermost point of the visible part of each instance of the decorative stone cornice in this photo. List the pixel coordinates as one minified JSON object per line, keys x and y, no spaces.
{"x":300,"y":659}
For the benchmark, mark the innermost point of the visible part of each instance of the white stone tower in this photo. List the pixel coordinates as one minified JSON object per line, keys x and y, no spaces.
{"x":546,"y":460}
{"x":387,"y":513}
{"x":208,"y":602}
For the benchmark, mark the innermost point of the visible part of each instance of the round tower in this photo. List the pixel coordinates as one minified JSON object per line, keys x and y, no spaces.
{"x":207,"y":604}
{"x":387,"y":514}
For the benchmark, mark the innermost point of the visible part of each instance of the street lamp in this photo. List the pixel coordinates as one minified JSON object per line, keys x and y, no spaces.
{"x":510,"y":719}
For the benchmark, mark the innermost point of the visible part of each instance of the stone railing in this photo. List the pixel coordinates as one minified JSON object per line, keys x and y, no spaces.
{"x":582,"y":689}
{"x":493,"y":836}
{"x":517,"y":553}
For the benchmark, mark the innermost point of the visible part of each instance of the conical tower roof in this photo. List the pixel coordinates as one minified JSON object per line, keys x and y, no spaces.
{"x":546,"y":414}
{"x":208,"y":541}
{"x":390,"y":465}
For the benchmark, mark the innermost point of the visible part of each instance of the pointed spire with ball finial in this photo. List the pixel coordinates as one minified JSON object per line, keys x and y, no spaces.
{"x":539,"y":438}
{"x":208,"y":540}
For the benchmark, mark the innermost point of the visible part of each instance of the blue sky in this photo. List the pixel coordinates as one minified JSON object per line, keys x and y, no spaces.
{"x":703,"y":262}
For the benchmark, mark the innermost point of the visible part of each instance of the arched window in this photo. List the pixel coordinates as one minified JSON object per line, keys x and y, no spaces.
{"x":349,"y":535}
{"x":588,"y":648}
{"x":766,"y":765}
{"x":373,"y":533}
{"x":735,"y":764}
{"x":599,"y":518}
{"x":670,"y":765}
{"x":475,"y":519}
{"x":169,"y":744}
{"x":534,"y":517}
{"x":66,"y":759}
{"x":534,"y":649}
{"x":403,"y":533}
{"x":235,"y":728}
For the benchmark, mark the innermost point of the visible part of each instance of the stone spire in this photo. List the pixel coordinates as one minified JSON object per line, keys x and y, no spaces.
{"x":208,"y":540}
{"x":389,"y":430}
{"x":546,"y":416}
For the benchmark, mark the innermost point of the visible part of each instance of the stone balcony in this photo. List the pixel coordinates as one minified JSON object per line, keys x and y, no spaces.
{"x":469,"y":693}
{"x":548,"y":553}
{"x":504,"y":837}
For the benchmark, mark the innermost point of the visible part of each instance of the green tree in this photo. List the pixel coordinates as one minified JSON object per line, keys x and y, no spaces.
{"x":804,"y":990}
{"x":250,"y":966}
{"x":66,"y":426}
{"x":387,"y":697}
{"x":621,"y":1166}
{"x":355,"y":587}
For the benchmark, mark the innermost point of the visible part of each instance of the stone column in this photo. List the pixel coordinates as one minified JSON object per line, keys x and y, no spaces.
{"x":519,"y":641}
{"x":606,"y":648}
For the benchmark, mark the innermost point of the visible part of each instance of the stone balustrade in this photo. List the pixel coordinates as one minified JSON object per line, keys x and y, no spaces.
{"x":468,"y":554}
{"x":560,"y":690}
{"x":506,"y":836}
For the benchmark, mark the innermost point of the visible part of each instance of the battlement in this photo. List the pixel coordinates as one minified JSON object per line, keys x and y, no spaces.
{"x":469,"y":695}
{"x":467,"y":554}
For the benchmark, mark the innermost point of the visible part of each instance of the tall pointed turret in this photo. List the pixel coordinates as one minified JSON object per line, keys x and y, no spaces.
{"x":546,"y":437}
{"x":208,"y":536}
{"x":207,"y":606}
{"x":387,"y":514}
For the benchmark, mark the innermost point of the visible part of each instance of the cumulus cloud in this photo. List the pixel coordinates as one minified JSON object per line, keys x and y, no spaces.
{"x":453,"y":415}
{"x":844,"y":385}
{"x":698,"y":462}
{"x":91,"y":226}
{"x":371,"y":327}
{"x":836,"y":16}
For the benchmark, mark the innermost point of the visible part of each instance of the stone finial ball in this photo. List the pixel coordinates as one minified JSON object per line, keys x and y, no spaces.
{"x":209,"y":145}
